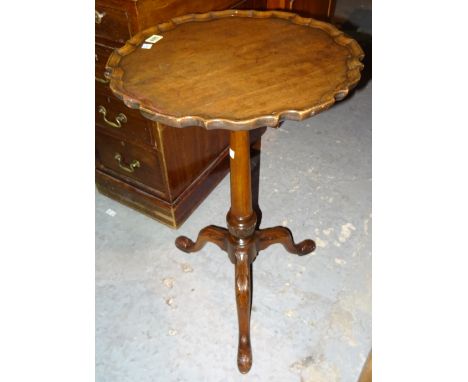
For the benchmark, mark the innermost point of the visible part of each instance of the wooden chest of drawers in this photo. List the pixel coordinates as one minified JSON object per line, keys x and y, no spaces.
{"x":161,"y":171}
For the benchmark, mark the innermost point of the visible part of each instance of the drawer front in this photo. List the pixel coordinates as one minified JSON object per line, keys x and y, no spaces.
{"x":114,"y":117}
{"x":111,"y":24}
{"x":101,"y":55}
{"x":321,"y":9}
{"x":129,"y":162}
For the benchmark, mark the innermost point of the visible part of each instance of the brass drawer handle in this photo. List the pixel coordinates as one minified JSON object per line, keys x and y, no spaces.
{"x":121,"y":118}
{"x":131,"y":167}
{"x":101,"y":80}
{"x":98,"y":16}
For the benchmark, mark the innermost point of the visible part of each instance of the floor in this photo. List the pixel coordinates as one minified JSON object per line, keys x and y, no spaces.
{"x":163,"y":315}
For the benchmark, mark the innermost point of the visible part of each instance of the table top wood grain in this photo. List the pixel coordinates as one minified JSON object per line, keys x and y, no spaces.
{"x":236,"y":70}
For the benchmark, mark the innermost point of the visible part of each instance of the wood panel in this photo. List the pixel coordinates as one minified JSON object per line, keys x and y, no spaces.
{"x":135,"y":197}
{"x":320,"y":9}
{"x":150,"y":14}
{"x":148,"y":174}
{"x":126,"y":124}
{"x":174,"y":213}
{"x":101,"y":55}
{"x":187,"y":153}
{"x":111,"y":24}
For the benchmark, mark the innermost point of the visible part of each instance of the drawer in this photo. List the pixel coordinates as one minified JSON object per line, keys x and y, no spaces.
{"x":129,"y":162}
{"x":111,"y":24}
{"x":114,"y":117}
{"x":101,"y":55}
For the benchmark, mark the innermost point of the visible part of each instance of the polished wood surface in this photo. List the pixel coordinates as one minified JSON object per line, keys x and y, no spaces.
{"x":241,"y":195}
{"x":321,"y":9}
{"x":242,"y":69}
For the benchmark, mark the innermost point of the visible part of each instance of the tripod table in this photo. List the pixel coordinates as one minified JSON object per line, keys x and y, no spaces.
{"x":236,"y":70}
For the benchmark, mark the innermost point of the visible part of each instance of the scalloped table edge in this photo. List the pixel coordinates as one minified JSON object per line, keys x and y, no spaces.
{"x":115,"y":73}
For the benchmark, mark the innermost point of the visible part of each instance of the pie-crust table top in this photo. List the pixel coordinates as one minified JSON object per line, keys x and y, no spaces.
{"x":235,"y":70}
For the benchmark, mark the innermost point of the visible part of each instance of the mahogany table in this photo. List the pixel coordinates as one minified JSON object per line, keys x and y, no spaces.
{"x":236,"y":70}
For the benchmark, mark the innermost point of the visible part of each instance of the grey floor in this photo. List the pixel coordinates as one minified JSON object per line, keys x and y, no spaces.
{"x":162,"y":315}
